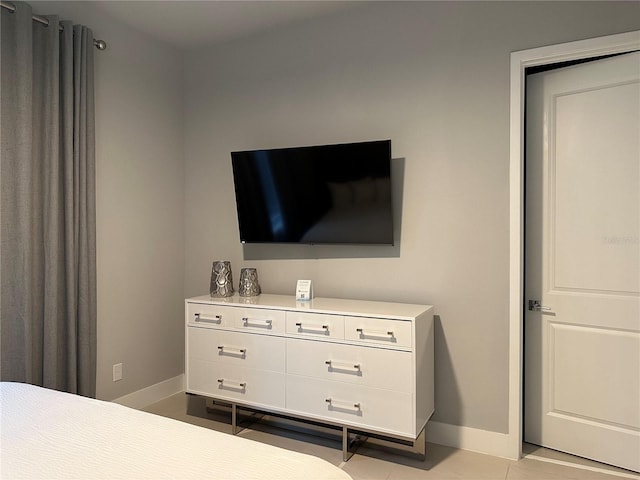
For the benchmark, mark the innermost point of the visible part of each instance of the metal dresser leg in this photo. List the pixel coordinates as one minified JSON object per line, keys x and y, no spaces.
{"x":350,"y":444}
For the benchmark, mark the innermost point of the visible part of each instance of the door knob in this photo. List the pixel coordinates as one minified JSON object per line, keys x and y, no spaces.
{"x":534,"y":306}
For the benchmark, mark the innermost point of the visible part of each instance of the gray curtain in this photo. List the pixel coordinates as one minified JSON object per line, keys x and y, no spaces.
{"x":47,"y":215}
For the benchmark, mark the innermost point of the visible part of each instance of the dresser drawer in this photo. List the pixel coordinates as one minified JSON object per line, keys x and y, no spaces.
{"x":371,"y":408}
{"x":315,"y":325}
{"x":380,"y":331}
{"x":235,"y":383}
{"x":235,"y":348}
{"x":259,"y":320}
{"x":210,"y":315}
{"x":369,"y":366}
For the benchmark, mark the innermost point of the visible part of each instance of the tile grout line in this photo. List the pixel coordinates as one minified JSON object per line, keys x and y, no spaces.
{"x":582,"y":467}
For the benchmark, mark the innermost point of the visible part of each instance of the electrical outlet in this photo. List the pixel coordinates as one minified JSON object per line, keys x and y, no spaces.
{"x":117,"y":372}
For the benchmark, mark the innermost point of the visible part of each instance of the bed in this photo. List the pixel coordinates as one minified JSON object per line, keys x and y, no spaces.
{"x":50,"y":434}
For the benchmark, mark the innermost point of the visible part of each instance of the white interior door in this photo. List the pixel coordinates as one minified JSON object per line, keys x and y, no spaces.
{"x":582,"y":261}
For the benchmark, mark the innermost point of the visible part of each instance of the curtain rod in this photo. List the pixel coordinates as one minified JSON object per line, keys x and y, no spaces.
{"x":99,"y":44}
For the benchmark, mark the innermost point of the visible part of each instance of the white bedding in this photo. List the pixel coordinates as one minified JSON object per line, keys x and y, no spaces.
{"x":49,"y":434}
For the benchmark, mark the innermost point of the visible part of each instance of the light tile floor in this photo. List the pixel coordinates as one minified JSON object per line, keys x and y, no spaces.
{"x":376,"y":461}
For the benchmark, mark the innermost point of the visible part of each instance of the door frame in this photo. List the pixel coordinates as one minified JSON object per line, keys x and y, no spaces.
{"x":520,"y":60}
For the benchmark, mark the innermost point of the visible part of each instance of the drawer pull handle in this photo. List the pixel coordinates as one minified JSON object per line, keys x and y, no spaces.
{"x":241,"y":385}
{"x":260,"y":322}
{"x":216,"y":319}
{"x":237,"y":351}
{"x":343,"y":405}
{"x":322,"y":328}
{"x":355,"y":367}
{"x":362,"y":333}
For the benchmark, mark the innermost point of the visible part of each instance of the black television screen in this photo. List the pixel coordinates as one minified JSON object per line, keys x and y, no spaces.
{"x":329,"y":194}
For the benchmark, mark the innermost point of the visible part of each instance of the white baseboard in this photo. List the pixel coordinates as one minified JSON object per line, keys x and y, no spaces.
{"x":465,"y":438}
{"x":473,"y":439}
{"x":153,"y":393}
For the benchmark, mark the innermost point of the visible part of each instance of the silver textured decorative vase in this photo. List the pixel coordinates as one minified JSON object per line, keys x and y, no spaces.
{"x":249,"y":286}
{"x":221,"y":279}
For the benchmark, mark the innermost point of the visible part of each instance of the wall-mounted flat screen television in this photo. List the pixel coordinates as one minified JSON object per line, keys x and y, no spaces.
{"x":327,"y":194}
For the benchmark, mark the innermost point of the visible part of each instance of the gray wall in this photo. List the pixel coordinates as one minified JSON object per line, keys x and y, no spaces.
{"x":140,"y":214}
{"x":434,"y":78}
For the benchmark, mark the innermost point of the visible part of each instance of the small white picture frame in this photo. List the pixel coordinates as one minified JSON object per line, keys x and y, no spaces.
{"x":304,"y":290}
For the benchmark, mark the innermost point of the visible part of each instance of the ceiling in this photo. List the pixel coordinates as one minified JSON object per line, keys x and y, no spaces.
{"x":189,"y":24}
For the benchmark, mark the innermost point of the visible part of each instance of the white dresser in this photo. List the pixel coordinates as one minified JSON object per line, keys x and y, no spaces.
{"x":364,"y":366}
